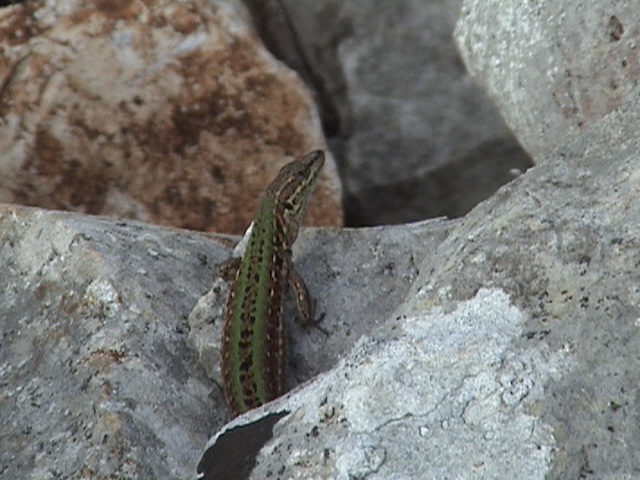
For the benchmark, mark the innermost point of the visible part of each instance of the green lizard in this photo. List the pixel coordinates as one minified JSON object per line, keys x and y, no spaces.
{"x":254,"y":340}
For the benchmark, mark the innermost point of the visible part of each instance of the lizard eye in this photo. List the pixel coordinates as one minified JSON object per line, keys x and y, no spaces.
{"x":289,"y":206}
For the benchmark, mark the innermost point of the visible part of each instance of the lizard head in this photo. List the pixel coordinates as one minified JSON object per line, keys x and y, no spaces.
{"x":293,"y":187}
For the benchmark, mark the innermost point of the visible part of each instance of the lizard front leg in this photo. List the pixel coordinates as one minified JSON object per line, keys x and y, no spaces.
{"x":306,"y":307}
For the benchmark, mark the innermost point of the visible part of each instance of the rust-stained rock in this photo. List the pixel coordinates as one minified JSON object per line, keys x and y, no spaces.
{"x":170,"y":112}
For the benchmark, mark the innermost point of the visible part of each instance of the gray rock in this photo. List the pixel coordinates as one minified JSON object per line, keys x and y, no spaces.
{"x":97,"y":380}
{"x":515,"y":355}
{"x":104,"y":375}
{"x":417,"y":138}
{"x":405,"y":406}
{"x":553,"y":68}
{"x":355,"y":288}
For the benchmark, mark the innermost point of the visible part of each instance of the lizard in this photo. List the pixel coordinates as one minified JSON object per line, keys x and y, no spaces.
{"x":254,"y":340}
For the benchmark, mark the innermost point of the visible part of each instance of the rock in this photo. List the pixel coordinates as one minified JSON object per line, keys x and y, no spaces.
{"x":553,"y":68}
{"x":517,"y":343}
{"x":515,"y":354}
{"x":503,"y":345}
{"x":166,"y":112}
{"x":377,"y":277}
{"x":97,"y":378}
{"x":104,"y":375}
{"x":416,"y":137}
{"x":406,"y":406}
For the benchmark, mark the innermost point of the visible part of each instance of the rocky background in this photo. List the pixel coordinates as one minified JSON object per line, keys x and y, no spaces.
{"x":415,"y":136}
{"x":504,"y":344}
{"x":168,"y":112}
{"x":178,"y":113}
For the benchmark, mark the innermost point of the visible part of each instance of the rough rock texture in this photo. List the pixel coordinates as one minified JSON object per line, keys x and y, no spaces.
{"x":170,"y":112}
{"x":406,"y":406}
{"x":417,"y":138}
{"x":378,"y":277}
{"x":99,"y":369}
{"x":516,"y":354}
{"x":553,"y":67}
{"x":96,"y":379}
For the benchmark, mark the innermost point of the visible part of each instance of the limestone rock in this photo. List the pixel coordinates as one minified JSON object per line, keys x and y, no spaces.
{"x":553,"y":68}
{"x":515,"y":355}
{"x":106,"y":365}
{"x":97,"y":380}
